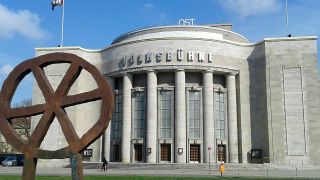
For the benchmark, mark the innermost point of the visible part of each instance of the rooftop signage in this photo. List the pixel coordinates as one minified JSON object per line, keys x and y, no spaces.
{"x":186,"y":22}
{"x":166,"y":57}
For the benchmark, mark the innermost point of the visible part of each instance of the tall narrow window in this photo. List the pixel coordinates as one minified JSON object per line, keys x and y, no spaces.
{"x":194,"y":114}
{"x":166,"y":113}
{"x":220,"y":115}
{"x":117,"y":117}
{"x":139,"y":114}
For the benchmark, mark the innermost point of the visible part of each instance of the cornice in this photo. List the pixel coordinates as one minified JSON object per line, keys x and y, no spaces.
{"x":224,"y":70}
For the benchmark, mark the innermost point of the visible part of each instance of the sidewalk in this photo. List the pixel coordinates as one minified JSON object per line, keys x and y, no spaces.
{"x":43,"y":171}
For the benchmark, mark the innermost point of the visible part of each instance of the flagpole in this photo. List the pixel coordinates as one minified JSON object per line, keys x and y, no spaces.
{"x":287,"y":18}
{"x":62,"y":24}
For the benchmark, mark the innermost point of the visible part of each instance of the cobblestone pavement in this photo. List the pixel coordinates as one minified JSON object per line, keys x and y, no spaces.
{"x":303,"y":173}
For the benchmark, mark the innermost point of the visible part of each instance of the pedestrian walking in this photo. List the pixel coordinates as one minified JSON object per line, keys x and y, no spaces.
{"x":104,"y":164}
{"x":221,"y":168}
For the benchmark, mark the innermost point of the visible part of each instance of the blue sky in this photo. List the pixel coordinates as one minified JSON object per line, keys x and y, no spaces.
{"x":25,"y":24}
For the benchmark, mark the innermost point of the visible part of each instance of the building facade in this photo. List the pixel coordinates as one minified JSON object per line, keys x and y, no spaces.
{"x":194,"y":94}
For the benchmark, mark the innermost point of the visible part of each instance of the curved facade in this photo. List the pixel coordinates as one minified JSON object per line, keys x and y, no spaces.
{"x":204,"y":93}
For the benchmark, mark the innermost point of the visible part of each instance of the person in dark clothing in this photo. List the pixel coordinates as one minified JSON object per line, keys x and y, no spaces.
{"x":104,"y":164}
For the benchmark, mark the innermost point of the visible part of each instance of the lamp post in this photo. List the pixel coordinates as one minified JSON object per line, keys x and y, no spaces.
{"x":209,"y":149}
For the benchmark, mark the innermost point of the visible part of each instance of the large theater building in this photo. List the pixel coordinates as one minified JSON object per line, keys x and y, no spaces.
{"x":194,"y":94}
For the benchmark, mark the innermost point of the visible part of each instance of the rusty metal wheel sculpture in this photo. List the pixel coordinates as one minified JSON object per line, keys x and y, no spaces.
{"x":54,"y":106}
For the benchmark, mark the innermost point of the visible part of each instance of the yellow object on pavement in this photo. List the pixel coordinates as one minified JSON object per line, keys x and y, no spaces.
{"x":221,"y":168}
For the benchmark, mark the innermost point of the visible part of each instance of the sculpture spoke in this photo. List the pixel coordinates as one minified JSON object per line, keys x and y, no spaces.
{"x":25,"y":111}
{"x":43,"y":83}
{"x":81,"y":98}
{"x":69,"y":78}
{"x":67,"y":127}
{"x":41,"y":129}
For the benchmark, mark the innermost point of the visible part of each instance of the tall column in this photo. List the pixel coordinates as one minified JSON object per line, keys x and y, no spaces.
{"x":126,"y":121}
{"x":180,"y":117}
{"x":232,"y":119}
{"x":152,"y":116}
{"x":107,"y":132}
{"x":208,"y":119}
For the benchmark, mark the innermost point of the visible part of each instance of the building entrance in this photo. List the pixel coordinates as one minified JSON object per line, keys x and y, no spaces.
{"x":117,"y":153}
{"x":165,"y":152}
{"x":194,"y":152}
{"x":221,"y":152}
{"x":138,"y":152}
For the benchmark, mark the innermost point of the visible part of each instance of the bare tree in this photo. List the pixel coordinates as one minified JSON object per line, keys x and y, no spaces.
{"x":23,"y":124}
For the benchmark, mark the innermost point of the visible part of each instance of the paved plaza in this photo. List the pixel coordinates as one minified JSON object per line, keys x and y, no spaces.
{"x":181,"y":170}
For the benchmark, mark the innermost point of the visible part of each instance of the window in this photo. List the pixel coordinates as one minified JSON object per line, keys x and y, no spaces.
{"x":220,"y":114}
{"x":165,"y":113}
{"x":139,"y":114}
{"x":117,"y":117}
{"x":194,"y":114}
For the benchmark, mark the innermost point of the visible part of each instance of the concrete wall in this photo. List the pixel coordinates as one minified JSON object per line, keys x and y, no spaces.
{"x":258,"y":105}
{"x":293,"y":53}
{"x":82,"y":116}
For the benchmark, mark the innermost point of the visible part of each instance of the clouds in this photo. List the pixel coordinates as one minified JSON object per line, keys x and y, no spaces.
{"x":21,"y":22}
{"x":6,"y":64}
{"x":5,"y":69}
{"x":4,"y":72}
{"x":147,"y":7}
{"x":246,"y":8}
{"x":163,"y":19}
{"x":155,"y":13}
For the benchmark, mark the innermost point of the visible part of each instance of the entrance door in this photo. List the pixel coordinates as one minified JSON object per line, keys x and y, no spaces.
{"x":117,"y":153}
{"x":194,"y":152}
{"x":166,"y":152}
{"x":221,"y":151}
{"x":138,"y":152}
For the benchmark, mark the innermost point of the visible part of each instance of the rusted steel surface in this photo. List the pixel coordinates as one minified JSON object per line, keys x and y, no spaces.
{"x":55,"y":103}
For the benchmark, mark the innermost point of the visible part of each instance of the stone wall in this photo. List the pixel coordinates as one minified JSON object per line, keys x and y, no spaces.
{"x":281,"y":56}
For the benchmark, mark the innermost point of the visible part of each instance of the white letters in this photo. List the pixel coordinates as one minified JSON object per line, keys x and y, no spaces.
{"x":181,"y":22}
{"x":210,"y":57}
{"x":201,"y":56}
{"x":190,"y":56}
{"x":139,"y":61}
{"x":130,"y":60}
{"x":180,"y":54}
{"x":169,"y":56}
{"x":186,"y":22}
{"x":159,"y":57}
{"x":148,"y":57}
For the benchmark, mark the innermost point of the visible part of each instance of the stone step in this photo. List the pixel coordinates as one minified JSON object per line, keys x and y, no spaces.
{"x":172,"y":166}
